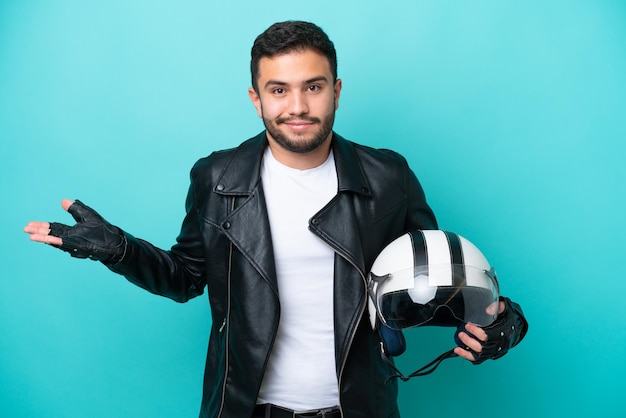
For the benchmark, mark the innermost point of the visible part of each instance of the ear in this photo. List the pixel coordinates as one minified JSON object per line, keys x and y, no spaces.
{"x":337,"y":89}
{"x":256,"y":101}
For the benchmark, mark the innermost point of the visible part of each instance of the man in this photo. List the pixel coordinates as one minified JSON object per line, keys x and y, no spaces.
{"x":282,"y":231}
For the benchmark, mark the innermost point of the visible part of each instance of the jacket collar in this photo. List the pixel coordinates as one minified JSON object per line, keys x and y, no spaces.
{"x":242,"y":174}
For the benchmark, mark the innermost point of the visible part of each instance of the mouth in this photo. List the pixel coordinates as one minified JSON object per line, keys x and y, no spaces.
{"x":298,"y":124}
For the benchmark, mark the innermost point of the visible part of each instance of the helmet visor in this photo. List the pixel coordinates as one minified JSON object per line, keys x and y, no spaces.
{"x":413,"y":297}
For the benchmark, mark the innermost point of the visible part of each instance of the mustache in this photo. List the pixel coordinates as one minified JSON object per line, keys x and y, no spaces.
{"x":309,"y":119}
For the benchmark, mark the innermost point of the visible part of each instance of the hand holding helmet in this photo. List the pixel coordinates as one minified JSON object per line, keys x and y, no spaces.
{"x":434,"y":277}
{"x":494,"y":340}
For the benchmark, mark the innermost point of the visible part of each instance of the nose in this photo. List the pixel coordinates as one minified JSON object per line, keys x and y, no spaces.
{"x":298,"y":104}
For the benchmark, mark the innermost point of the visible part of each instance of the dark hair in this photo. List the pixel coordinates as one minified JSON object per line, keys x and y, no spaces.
{"x":289,"y":36}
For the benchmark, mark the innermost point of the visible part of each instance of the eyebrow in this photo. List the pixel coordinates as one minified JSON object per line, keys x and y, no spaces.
{"x":283,"y":83}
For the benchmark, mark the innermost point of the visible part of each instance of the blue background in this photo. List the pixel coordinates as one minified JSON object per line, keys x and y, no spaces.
{"x":511,"y":113}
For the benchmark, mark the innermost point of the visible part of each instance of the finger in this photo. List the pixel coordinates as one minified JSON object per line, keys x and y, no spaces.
{"x":476,"y":331}
{"x":502,"y":307}
{"x":46,"y":239}
{"x":37,"y":228}
{"x":492,"y":309}
{"x":464,"y":354}
{"x":470,"y":342}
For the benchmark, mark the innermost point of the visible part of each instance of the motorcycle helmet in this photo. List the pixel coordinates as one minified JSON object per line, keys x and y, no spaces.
{"x":425,"y":273}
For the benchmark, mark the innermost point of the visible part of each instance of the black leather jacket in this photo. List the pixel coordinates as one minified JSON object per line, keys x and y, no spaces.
{"x":225,"y":244}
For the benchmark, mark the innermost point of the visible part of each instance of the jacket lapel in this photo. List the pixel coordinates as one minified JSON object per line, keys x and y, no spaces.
{"x":241,"y":181}
{"x":336,"y":223}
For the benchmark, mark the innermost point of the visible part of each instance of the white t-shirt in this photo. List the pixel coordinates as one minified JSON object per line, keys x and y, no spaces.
{"x":301,"y":372}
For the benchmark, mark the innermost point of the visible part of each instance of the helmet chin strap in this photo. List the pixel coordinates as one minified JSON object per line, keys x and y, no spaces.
{"x":423,"y":371}
{"x":393,"y":344}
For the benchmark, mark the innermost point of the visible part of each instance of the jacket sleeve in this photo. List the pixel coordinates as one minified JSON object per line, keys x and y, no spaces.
{"x":178,"y":273}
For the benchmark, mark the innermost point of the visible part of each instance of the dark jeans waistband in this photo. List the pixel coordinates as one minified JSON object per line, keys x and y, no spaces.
{"x":273,"y":411}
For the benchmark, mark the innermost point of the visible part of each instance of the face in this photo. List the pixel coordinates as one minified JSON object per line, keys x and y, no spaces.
{"x":297,"y":100}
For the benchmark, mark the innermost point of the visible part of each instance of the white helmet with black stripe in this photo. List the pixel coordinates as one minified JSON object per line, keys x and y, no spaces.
{"x":425,"y":271}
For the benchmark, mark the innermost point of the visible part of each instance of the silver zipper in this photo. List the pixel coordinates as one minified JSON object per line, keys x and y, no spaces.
{"x":343,"y":361}
{"x":225,"y":323}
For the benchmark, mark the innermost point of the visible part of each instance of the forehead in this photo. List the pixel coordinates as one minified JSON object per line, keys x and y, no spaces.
{"x":294,"y":67}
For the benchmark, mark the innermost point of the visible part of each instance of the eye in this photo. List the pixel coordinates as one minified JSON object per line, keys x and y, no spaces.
{"x":278,"y":90}
{"x":314,"y":88}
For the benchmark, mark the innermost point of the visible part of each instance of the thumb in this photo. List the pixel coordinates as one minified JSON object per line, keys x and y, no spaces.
{"x":66,"y":203}
{"x":81,"y":212}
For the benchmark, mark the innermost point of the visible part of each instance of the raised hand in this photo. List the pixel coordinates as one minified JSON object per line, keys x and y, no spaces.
{"x":91,"y":237}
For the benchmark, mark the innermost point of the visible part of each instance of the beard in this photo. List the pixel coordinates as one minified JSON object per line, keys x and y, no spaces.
{"x":299,"y":143}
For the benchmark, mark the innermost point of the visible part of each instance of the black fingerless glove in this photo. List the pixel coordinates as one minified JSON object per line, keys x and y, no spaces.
{"x":504,"y":333}
{"x":92,"y":237}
